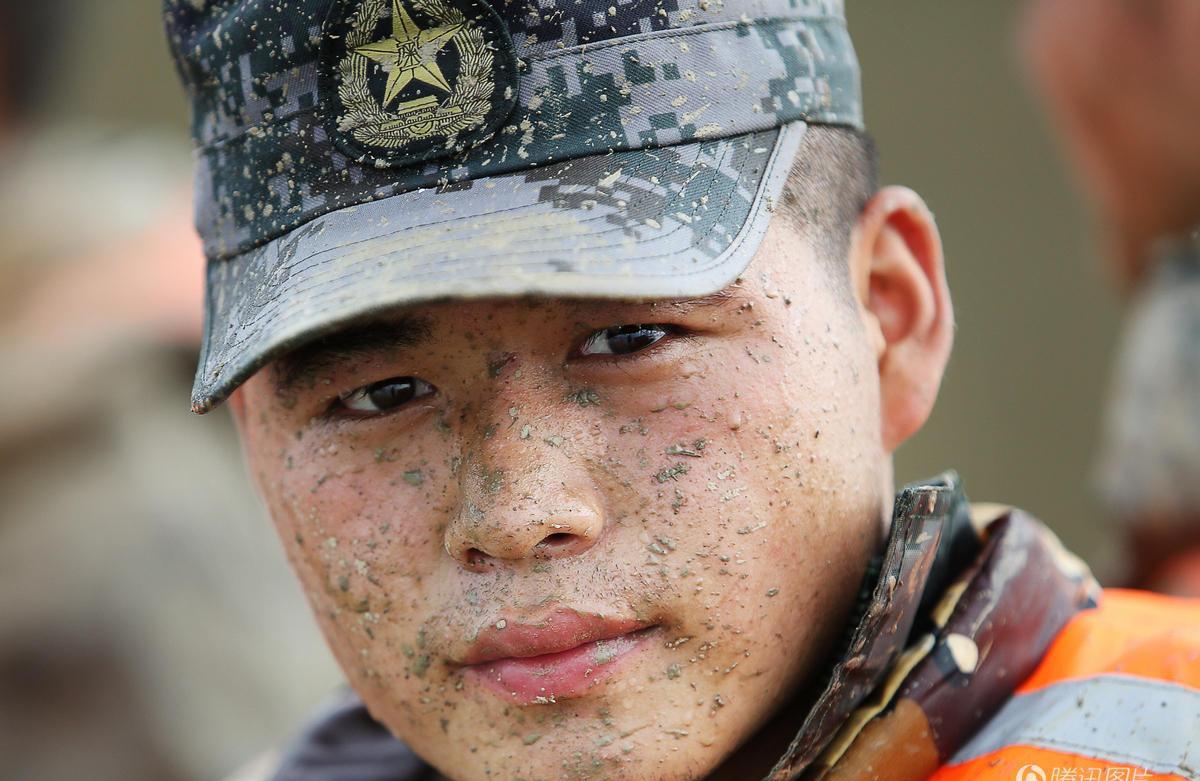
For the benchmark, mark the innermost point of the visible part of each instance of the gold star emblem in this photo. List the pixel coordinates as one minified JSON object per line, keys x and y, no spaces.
{"x":409,"y":54}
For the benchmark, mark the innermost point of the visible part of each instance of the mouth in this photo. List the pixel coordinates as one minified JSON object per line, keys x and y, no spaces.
{"x":560,"y":657}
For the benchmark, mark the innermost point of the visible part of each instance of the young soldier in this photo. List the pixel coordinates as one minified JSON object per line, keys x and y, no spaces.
{"x":571,"y":342}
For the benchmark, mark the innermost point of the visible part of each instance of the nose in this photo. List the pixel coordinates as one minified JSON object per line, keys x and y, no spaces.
{"x":480,"y":538}
{"x":536,"y":508}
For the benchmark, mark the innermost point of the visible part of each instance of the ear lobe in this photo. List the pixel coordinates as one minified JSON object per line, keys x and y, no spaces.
{"x":900,"y":277}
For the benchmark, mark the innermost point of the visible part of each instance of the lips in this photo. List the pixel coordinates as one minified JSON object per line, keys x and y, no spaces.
{"x":560,"y":656}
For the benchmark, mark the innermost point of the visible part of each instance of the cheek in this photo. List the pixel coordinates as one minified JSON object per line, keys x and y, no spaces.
{"x":756,"y":502}
{"x":361,"y":523}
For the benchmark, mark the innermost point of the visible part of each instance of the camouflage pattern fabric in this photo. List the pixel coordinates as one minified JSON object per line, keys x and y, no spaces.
{"x":594,"y":76}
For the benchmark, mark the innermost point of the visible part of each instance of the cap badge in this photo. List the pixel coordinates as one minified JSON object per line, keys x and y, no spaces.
{"x":405,"y":81}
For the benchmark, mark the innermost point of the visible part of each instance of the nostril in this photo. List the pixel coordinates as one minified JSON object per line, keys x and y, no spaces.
{"x":476,"y":558}
{"x":556,"y":540}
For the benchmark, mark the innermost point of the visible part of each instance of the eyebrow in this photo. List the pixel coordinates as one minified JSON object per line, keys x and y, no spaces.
{"x":374,"y":337}
{"x":354,"y":343}
{"x":726,"y":295}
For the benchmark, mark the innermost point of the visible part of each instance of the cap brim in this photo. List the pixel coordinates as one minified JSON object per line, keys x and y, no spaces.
{"x":670,"y":222}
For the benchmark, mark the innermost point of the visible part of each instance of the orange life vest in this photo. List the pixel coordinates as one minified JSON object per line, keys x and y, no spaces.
{"x":1116,"y":698}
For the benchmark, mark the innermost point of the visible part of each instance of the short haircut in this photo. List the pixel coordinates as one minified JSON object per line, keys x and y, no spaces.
{"x":835,"y":174}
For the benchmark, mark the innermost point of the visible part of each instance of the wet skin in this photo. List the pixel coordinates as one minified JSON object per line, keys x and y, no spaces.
{"x":692,"y":515}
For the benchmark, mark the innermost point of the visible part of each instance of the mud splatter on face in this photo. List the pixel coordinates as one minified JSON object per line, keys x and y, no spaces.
{"x":605,"y":566}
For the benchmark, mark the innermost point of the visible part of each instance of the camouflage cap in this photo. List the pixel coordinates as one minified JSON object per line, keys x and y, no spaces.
{"x":358,"y":155}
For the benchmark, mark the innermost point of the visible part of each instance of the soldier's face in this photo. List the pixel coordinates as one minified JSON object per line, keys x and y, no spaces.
{"x":576,"y":538}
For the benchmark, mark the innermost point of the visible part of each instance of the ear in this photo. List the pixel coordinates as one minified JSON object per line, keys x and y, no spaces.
{"x":899,"y":279}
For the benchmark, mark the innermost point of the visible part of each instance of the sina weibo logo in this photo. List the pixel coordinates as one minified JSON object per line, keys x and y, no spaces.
{"x":408,"y":80}
{"x":1030,"y":773}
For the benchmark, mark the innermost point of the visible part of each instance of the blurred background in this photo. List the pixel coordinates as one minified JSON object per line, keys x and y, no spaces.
{"x":149,"y":628}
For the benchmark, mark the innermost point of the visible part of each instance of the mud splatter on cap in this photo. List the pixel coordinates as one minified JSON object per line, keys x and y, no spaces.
{"x":354,"y":156}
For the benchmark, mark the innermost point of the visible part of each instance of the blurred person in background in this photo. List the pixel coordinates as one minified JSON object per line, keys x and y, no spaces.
{"x":145,"y":629}
{"x":1121,"y":81}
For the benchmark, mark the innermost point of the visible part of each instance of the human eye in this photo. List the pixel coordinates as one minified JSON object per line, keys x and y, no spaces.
{"x":382,"y":397}
{"x":625,"y":339}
